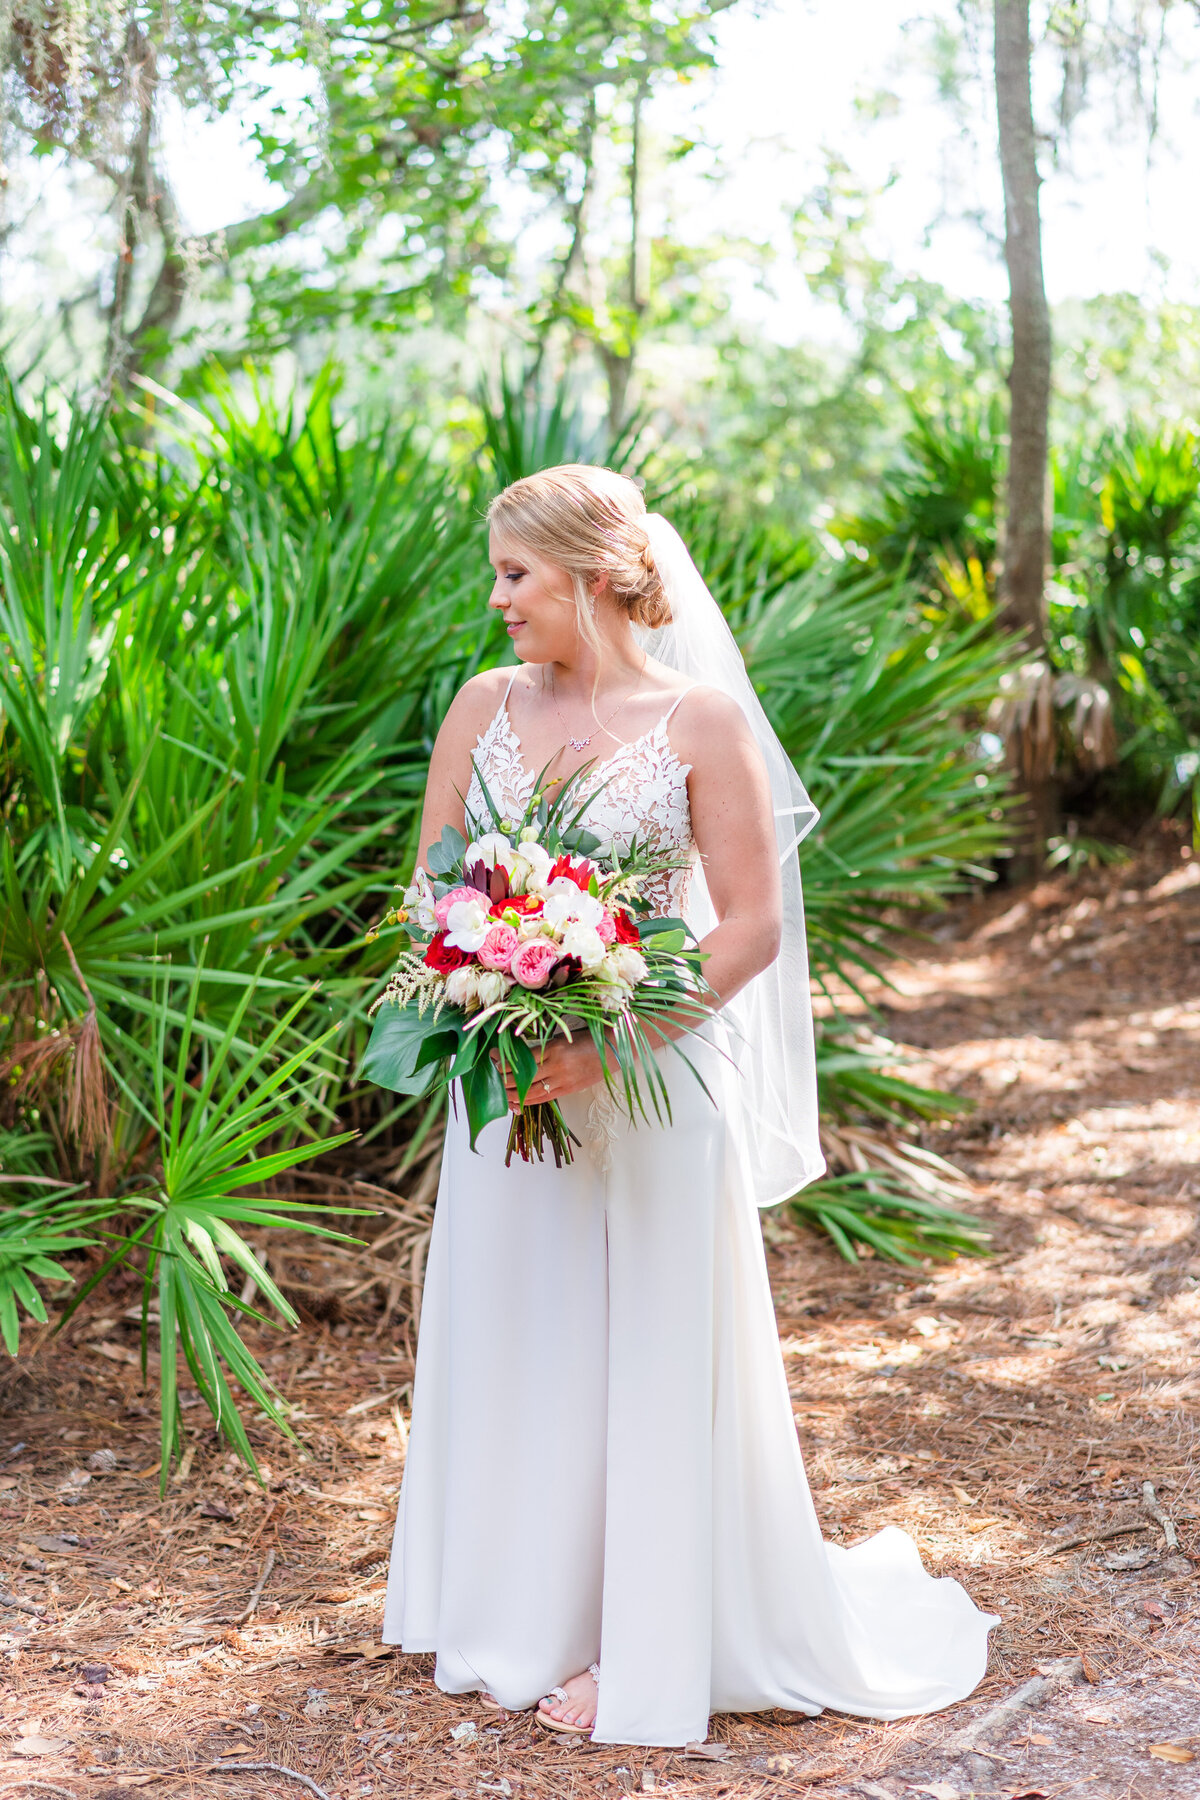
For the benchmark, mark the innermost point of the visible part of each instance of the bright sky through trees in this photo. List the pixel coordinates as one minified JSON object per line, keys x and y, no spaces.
{"x":859,"y":79}
{"x":800,"y":79}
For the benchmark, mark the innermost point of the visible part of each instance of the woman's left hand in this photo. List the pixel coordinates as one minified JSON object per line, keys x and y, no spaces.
{"x":564,"y":1068}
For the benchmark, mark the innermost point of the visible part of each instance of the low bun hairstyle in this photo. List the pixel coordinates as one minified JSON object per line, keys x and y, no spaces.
{"x":588,"y":521}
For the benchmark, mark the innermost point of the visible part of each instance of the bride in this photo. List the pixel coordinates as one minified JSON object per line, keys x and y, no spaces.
{"x":604,"y":1510}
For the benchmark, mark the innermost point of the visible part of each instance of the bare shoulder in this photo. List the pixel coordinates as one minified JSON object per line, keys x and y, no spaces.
{"x":475,"y":705}
{"x":706,"y":725}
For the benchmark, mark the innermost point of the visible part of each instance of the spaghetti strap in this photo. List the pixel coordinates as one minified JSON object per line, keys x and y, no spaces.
{"x":667,"y":716}
{"x":503,"y":706}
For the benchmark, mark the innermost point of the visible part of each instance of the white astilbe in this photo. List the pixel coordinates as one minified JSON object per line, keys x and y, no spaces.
{"x":414,"y":980}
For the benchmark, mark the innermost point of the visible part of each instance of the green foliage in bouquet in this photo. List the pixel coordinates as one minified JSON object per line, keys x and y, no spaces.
{"x":421,"y":1040}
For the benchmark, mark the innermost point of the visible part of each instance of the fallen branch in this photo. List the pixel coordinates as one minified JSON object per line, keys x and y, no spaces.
{"x":23,"y":1561}
{"x":1119,"y":1528}
{"x":1015,"y":1419}
{"x":334,"y":1499}
{"x":264,"y":1575}
{"x":275,"y":1769}
{"x":43,"y":1787}
{"x":19,"y":1603}
{"x":213,"y":1634}
{"x":1155,"y":1512}
{"x":378,"y":1400}
{"x":1031,"y":1694}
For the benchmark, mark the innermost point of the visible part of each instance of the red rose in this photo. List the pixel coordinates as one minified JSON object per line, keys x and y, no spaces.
{"x":443,"y":957}
{"x":627,"y":931}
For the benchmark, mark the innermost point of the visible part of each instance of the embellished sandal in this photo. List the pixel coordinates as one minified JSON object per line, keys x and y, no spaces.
{"x":560,"y":1694}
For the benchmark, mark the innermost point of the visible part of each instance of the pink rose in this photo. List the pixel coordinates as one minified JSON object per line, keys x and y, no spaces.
{"x":496,"y":950}
{"x":533,"y":961}
{"x":606,"y":930}
{"x":441,"y":910}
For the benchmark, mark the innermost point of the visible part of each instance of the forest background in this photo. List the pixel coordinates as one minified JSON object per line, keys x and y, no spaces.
{"x":288,"y":293}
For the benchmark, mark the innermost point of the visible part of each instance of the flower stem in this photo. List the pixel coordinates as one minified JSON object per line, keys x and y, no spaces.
{"x":533,"y":1127}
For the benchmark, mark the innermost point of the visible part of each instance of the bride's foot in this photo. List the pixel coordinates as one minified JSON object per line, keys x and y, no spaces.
{"x":573,"y":1704}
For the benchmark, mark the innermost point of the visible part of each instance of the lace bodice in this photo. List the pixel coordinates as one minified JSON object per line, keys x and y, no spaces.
{"x":644,"y":795}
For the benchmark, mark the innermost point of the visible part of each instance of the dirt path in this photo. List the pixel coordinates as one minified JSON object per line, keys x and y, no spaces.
{"x":1008,"y":1413}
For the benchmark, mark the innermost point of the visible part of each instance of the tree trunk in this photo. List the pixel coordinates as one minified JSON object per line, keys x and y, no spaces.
{"x":1023,"y":580}
{"x":1023,"y":575}
{"x":139,"y":81}
{"x":618,"y":360}
{"x":577,"y":216}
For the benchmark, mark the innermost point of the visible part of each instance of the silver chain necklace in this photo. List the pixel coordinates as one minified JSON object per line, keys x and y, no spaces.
{"x":578,"y":743}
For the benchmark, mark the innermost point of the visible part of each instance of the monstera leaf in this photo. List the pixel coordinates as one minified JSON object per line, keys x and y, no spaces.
{"x":405,"y":1048}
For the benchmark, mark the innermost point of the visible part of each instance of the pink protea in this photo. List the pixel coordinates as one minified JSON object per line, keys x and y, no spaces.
{"x":496,"y":950}
{"x":441,"y":910}
{"x":533,"y":962}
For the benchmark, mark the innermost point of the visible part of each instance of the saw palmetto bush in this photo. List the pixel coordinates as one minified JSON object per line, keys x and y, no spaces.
{"x":224,"y":648}
{"x":1111,"y":708}
{"x":228,"y":632}
{"x":879,"y":707}
{"x":1127,"y":609}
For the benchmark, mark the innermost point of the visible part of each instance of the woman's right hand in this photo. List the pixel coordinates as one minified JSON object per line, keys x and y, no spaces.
{"x":566,"y":1066}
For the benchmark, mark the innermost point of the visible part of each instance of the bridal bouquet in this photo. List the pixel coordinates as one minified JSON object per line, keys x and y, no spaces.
{"x":525,"y":932}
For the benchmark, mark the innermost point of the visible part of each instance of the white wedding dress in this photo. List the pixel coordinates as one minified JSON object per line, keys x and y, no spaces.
{"x":602,"y":1462}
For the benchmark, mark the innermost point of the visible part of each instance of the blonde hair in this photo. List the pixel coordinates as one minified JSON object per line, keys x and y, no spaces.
{"x":588,"y":521}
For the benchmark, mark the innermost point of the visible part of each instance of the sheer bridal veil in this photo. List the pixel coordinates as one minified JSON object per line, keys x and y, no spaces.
{"x":771,"y":1019}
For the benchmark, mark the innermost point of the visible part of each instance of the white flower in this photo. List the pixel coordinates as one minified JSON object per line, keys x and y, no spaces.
{"x":490,"y":985}
{"x":585,"y":942}
{"x":565,"y":902}
{"x":614,"y":995}
{"x":462,"y":987}
{"x":467,"y":924}
{"x":624,"y":963}
{"x":531,"y":833}
{"x":494,"y":851}
{"x":419,"y":902}
{"x":530,"y":869}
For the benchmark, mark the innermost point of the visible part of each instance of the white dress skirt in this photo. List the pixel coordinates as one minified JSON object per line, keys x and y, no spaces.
{"x":602,"y":1461}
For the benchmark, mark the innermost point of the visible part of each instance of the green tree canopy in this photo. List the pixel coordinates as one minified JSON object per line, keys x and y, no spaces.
{"x":387,"y":163}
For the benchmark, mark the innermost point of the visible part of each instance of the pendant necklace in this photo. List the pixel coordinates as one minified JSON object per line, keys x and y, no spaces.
{"x":578,"y":743}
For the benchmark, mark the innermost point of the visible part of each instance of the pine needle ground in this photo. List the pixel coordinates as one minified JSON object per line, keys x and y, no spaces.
{"x":1009,"y":1413}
